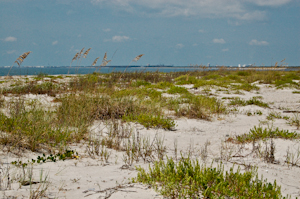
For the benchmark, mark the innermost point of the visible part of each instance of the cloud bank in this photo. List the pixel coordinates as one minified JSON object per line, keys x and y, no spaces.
{"x":254,"y":42}
{"x":238,"y":9}
{"x":10,"y":39}
{"x":219,"y":41}
{"x":119,"y":38}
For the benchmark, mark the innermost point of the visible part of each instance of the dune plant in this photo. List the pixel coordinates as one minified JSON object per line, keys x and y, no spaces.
{"x":259,"y":133}
{"x":19,"y":60}
{"x":32,"y":128}
{"x":33,"y":87}
{"x":134,"y":60}
{"x":189,"y":179}
{"x":295,"y":120}
{"x":177,"y":89}
{"x":77,"y":57}
{"x":201,"y":107}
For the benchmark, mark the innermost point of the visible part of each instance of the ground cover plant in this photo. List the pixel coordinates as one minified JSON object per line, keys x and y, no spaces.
{"x":32,"y":128}
{"x":154,"y":100}
{"x":107,"y":96}
{"x":189,"y":179}
{"x":260,"y":133}
{"x":253,"y":101}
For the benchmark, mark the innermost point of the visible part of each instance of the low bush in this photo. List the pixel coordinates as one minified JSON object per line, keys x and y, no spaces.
{"x":253,"y":101}
{"x":33,"y":129}
{"x":152,"y":121}
{"x":188,"y":179}
{"x":177,"y":90}
{"x":258,"y":133}
{"x":34,"y":88}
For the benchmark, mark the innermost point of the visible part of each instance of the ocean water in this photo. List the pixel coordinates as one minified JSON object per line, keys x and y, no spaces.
{"x":63,"y":70}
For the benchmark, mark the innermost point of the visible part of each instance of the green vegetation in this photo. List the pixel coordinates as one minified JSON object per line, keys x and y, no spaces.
{"x":130,"y":97}
{"x":33,"y":88}
{"x":177,"y":89}
{"x":253,"y":101}
{"x":68,"y":154}
{"x":188,"y":179}
{"x":276,"y":115}
{"x":258,"y":133}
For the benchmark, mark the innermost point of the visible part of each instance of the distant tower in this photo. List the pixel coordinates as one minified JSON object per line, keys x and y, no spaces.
{"x":208,"y":65}
{"x":239,"y":65}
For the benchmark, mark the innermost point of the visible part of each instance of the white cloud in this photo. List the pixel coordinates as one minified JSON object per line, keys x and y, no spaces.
{"x":72,"y":47}
{"x":179,"y":45}
{"x":270,"y":2}
{"x":10,"y":39}
{"x":258,"y":43}
{"x":219,"y":41}
{"x":54,"y":43}
{"x":10,"y":51}
{"x":237,"y":9}
{"x":201,"y":31}
{"x":119,"y":38}
{"x":225,"y":49}
{"x":107,"y":30}
{"x":195,"y":44}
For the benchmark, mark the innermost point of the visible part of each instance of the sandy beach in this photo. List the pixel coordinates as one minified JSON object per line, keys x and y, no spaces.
{"x":86,"y":174}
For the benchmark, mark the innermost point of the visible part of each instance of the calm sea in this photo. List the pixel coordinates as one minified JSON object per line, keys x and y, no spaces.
{"x":86,"y":70}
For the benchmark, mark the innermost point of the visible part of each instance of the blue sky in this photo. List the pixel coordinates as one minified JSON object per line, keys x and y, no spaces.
{"x":170,"y":32}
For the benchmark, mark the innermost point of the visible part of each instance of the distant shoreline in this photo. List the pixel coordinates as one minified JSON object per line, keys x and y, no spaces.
{"x":63,"y":70}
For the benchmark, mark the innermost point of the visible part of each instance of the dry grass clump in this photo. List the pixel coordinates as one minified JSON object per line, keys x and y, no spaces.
{"x":19,"y":60}
{"x":33,"y":128}
{"x":49,"y":88}
{"x":80,"y":111}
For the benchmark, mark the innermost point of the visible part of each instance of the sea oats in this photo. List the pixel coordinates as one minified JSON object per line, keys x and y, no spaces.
{"x":95,"y":62}
{"x":80,"y":53}
{"x":104,"y":60}
{"x":137,"y":58}
{"x":104,"y":63}
{"x":20,"y":59}
{"x":105,"y":57}
{"x":75,"y":57}
{"x":86,"y":52}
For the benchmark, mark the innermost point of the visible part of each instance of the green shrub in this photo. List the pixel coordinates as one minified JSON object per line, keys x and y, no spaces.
{"x":139,"y":83}
{"x":257,"y":102}
{"x":152,"y":121}
{"x":201,"y":107}
{"x":186,"y":79}
{"x":162,"y":85}
{"x":274,"y":115}
{"x":237,"y":101}
{"x":177,"y":89}
{"x":253,"y":101}
{"x":188,"y":179}
{"x":34,"y":88}
{"x":258,"y":133}
{"x":33,"y":129}
{"x":245,"y":87}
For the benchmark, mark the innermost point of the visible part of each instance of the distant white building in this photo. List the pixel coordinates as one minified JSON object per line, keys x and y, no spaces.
{"x":239,"y":65}
{"x":208,"y":65}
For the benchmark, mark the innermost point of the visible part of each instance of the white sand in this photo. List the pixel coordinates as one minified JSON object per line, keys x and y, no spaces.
{"x":88,"y":177}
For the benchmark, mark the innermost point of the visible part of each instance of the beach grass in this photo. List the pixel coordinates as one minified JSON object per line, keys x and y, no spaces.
{"x":155,"y":100}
